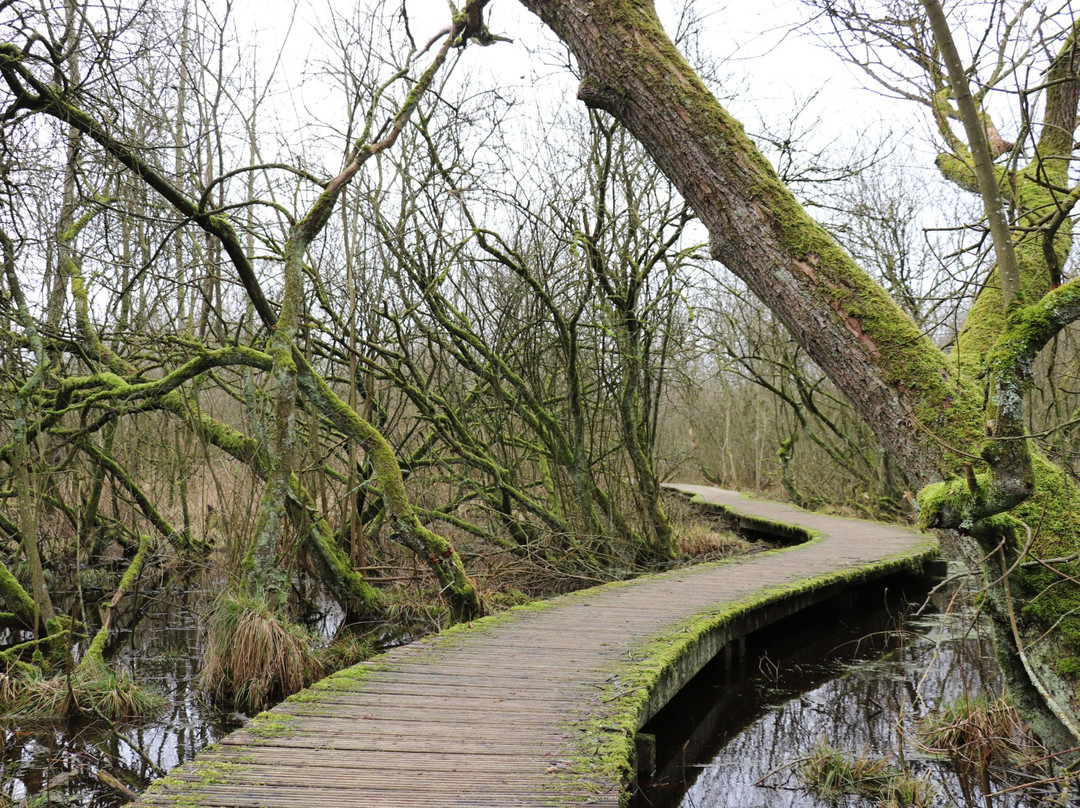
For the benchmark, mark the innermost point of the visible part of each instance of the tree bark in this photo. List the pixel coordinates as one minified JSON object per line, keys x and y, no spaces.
{"x":896,"y":378}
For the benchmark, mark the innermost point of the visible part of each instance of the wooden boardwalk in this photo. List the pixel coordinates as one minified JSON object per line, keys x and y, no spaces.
{"x":536,"y":706}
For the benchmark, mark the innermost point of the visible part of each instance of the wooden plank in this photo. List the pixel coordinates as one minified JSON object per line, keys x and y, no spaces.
{"x":488,"y":717}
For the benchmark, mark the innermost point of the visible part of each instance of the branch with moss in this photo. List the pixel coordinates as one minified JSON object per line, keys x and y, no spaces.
{"x":962,"y":502}
{"x":15,"y":597}
{"x":95,"y":652}
{"x":186,"y":545}
{"x":482,"y":360}
{"x":163,"y":393}
{"x":437,"y":551}
{"x":25,"y":490}
{"x":31,"y":93}
{"x":348,"y":585}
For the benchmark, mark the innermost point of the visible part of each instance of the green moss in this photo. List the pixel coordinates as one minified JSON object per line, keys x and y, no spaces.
{"x":952,"y":504}
{"x":210,"y":772}
{"x":1069,"y":666}
{"x":1052,"y":601}
{"x":271,"y":724}
{"x":185,"y":786}
{"x":1051,"y":511}
{"x":508,"y":599}
{"x":306,"y":696}
{"x":605,"y":740}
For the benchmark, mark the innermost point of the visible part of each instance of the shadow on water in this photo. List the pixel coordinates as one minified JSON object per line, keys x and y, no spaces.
{"x":870,"y":672}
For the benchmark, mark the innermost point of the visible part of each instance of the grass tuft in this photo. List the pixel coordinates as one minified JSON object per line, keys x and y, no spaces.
{"x":831,"y":774}
{"x":344,"y":651}
{"x":980,"y":737}
{"x":93,"y":690}
{"x":255,"y":656}
{"x":975,"y":732}
{"x":701,"y":540}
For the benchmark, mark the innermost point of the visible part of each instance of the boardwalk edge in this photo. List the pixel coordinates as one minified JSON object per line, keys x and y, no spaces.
{"x":606,"y":749}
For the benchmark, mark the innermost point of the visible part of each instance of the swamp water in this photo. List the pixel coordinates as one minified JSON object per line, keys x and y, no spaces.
{"x":64,"y":763}
{"x":735,"y":736}
{"x":79,"y":763}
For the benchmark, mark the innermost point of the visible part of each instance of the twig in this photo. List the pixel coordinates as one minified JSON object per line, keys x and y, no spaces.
{"x":154,"y":767}
{"x":116,"y":784}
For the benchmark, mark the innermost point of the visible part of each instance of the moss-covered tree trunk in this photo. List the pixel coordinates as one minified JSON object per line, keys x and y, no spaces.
{"x":24,"y":485}
{"x":294,"y":374}
{"x":952,"y":422}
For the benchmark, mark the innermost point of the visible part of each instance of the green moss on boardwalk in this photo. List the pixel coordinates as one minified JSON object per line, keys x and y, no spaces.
{"x":605,"y":748}
{"x":624,"y":673}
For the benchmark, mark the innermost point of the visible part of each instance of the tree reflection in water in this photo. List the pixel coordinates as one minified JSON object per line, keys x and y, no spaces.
{"x":861,"y":689}
{"x":58,"y":763}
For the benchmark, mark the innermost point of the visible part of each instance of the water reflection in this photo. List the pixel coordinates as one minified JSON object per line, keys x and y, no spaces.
{"x":63,"y":763}
{"x":749,"y":723}
{"x":160,"y":640}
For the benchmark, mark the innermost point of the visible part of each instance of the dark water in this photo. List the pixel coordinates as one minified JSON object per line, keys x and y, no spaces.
{"x":59,"y":763}
{"x":731,"y":741}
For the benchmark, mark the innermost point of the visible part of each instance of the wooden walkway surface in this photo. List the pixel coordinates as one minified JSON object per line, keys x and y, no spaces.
{"x":536,"y":706}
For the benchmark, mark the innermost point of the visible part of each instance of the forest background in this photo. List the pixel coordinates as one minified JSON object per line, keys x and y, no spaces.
{"x":394,"y":325}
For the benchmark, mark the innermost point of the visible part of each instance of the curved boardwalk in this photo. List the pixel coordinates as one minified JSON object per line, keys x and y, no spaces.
{"x":536,"y":706}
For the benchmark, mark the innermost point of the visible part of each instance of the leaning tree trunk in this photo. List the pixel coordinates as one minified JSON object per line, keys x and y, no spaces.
{"x":895,"y":377}
{"x":929,"y":410}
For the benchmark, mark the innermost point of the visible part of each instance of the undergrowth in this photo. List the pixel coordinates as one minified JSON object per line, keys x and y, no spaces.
{"x":93,"y":690}
{"x":255,"y":655}
{"x":982,"y":739}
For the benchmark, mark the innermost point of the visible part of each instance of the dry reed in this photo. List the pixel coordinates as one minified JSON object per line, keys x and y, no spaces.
{"x":255,"y":656}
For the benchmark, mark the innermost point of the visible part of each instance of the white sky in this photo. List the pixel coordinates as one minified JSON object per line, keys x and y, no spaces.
{"x":758,"y":40}
{"x":775,"y":63}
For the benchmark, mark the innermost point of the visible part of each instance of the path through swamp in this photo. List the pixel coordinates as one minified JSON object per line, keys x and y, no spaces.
{"x":734,"y":738}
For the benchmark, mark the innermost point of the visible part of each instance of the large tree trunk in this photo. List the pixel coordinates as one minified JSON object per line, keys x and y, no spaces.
{"x":936,"y":415}
{"x":895,"y":377}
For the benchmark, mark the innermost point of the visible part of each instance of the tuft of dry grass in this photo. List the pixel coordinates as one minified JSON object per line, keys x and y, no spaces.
{"x":255,"y":656}
{"x":701,"y":534}
{"x":701,"y":540}
{"x":974,"y":732}
{"x":344,"y":651}
{"x":831,"y":774}
{"x":90,"y":690}
{"x":980,"y":736}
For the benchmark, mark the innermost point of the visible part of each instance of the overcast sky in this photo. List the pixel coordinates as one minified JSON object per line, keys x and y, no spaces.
{"x":773,"y":60}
